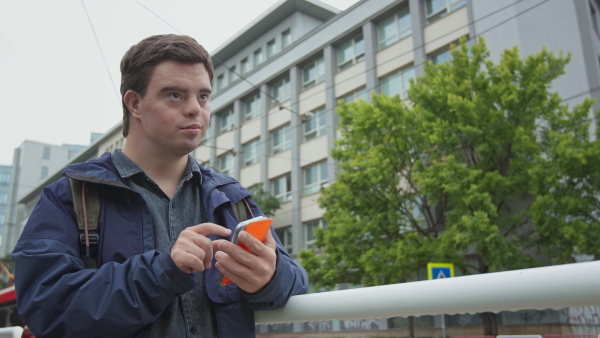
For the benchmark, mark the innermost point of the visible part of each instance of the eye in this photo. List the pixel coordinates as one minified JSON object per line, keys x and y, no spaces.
{"x":203,"y":97}
{"x":175,"y":96}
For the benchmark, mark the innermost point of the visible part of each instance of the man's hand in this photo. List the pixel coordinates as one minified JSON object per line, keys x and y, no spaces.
{"x":193,"y":250}
{"x":249,"y":271}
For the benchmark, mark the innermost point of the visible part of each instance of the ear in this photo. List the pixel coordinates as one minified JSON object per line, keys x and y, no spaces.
{"x":132,"y":100}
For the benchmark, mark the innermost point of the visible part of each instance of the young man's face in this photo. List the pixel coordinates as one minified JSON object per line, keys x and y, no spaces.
{"x":175,"y":112}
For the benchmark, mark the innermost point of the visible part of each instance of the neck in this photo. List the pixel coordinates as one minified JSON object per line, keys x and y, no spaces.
{"x":166,"y":169}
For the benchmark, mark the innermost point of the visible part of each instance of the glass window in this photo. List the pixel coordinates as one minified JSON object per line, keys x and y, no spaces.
{"x":280,"y":92}
{"x":281,"y":188}
{"x":220,"y":82}
{"x":4,"y":178}
{"x":313,"y":73}
{"x":259,"y":57}
{"x":285,"y":236}
{"x":357,"y":94}
{"x":2,"y":218}
{"x":226,"y":163}
{"x":46,"y":153}
{"x":226,"y":121}
{"x":233,"y":75}
{"x":441,"y":57}
{"x":252,"y":107}
{"x":351,"y":52}
{"x":251,"y":152}
{"x":281,"y":139}
{"x":309,"y":232}
{"x":315,"y":178}
{"x":398,"y":83}
{"x":245,"y":66}
{"x":315,"y":124}
{"x":271,"y":48}
{"x":286,"y":38}
{"x":394,"y":28}
{"x":44,"y":172}
{"x":3,"y":198}
{"x":435,"y":9}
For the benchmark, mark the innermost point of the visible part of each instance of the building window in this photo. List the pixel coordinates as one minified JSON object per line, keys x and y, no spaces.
{"x":281,"y":139}
{"x":3,"y":198}
{"x":315,"y":178}
{"x":252,"y":107}
{"x":44,"y":172}
{"x":357,"y":94}
{"x":2,"y":218}
{"x":226,"y":163}
{"x":315,"y":124}
{"x":233,"y":75}
{"x":226,"y":121}
{"x":351,"y":52}
{"x":245,"y":66}
{"x":398,"y":83}
{"x":220,"y":82}
{"x":285,"y":236}
{"x":435,"y":9}
{"x":259,"y":57}
{"x":594,"y":15}
{"x":4,"y":178}
{"x":271,"y":48}
{"x":46,"y":154}
{"x":442,"y":56}
{"x":281,"y":188}
{"x":313,"y":73}
{"x":309,"y":232}
{"x":286,"y":38}
{"x":280,"y":92}
{"x":394,"y":28}
{"x":251,"y":152}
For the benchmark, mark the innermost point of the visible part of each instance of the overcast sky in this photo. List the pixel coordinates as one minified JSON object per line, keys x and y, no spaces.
{"x":55,"y":85}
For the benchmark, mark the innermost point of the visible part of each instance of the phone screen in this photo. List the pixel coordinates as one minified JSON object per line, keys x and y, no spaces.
{"x":257,"y":227}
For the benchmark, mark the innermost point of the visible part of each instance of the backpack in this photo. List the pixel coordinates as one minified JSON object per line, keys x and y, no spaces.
{"x":86,"y":203}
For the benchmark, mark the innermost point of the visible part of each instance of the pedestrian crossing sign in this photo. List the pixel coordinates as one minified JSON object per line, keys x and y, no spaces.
{"x":440,"y":270}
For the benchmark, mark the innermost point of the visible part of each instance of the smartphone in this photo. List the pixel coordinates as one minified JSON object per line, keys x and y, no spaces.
{"x":257,"y":227}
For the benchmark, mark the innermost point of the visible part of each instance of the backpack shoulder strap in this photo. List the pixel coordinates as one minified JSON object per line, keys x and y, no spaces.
{"x":86,"y":203}
{"x":241,"y":213}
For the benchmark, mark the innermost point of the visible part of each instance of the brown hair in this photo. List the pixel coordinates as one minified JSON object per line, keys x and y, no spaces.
{"x":139,"y":62}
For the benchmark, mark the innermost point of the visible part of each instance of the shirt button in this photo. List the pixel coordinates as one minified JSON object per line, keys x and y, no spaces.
{"x":193,"y":330}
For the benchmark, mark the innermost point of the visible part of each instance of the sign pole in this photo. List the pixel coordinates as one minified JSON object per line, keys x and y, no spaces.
{"x":440,"y":271}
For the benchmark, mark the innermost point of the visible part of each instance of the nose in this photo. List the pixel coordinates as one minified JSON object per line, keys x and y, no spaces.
{"x":193,"y":107}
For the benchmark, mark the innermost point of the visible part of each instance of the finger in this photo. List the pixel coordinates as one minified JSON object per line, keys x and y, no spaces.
{"x":231,"y":268}
{"x":257,"y":247}
{"x":206,"y":229}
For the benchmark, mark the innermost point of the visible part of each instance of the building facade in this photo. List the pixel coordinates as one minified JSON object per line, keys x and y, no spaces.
{"x":4,"y":189}
{"x":277,"y":84}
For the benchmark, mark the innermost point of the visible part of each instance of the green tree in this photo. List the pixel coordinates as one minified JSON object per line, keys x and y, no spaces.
{"x":484,"y":161}
{"x":265,"y":201}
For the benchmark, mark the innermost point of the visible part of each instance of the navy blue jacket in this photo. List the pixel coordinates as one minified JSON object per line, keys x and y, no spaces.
{"x":58,"y":297}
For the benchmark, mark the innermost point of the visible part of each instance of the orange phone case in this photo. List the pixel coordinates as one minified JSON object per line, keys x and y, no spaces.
{"x":258,"y":229}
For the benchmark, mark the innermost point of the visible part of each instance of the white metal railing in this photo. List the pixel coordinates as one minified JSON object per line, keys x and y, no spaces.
{"x":553,"y":287}
{"x":11,"y":332}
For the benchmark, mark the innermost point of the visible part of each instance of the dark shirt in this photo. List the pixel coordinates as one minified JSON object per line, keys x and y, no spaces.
{"x":191,"y":314}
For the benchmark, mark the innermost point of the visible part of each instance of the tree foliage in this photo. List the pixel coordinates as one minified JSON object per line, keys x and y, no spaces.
{"x":267,"y":203}
{"x":485,"y":168}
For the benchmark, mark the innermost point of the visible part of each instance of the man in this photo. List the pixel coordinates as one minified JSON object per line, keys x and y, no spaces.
{"x":163,"y":224}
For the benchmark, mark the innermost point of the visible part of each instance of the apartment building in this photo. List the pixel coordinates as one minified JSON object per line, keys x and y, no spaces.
{"x":278,"y":81}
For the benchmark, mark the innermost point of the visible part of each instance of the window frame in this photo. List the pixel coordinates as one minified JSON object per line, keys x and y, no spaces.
{"x":245,"y":66}
{"x":286,"y":38}
{"x":317,"y":65}
{"x":258,"y":57}
{"x":399,"y":33}
{"x":449,"y":7}
{"x":286,"y":136}
{"x":233,"y":75}
{"x":286,"y":194}
{"x":254,"y":101}
{"x":225,"y":159}
{"x":320,"y":127}
{"x":271,"y":48}
{"x":251,"y":151}
{"x":279,"y":96}
{"x":322,"y":179}
{"x":226,"y":120}
{"x":357,"y":55}
{"x":309,"y":228}
{"x":403,"y":77}
{"x":285,"y":235}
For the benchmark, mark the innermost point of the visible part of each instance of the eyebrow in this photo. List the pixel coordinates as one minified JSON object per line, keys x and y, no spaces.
{"x":179,"y":89}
